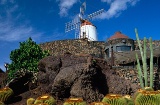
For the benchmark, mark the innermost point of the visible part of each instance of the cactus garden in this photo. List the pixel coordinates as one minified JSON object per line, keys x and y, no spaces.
{"x":83,"y":80}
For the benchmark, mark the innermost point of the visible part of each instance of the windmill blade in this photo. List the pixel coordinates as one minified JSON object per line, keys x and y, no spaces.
{"x":72,"y":24}
{"x":92,"y":15}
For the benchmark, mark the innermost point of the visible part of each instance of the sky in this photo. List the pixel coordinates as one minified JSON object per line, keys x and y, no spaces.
{"x":44,"y":20}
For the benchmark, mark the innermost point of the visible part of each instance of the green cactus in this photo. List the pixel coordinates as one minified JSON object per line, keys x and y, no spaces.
{"x":129,"y":100}
{"x":1,"y":103}
{"x":5,"y":94}
{"x":114,"y":99}
{"x":144,"y":70}
{"x":146,"y":97}
{"x":30,"y":101}
{"x":47,"y":99}
{"x":151,"y":62}
{"x":99,"y":103}
{"x":74,"y":101}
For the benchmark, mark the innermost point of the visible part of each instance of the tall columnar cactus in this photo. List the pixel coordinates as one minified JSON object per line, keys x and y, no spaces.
{"x":114,"y":99}
{"x":5,"y":93}
{"x":144,"y":70}
{"x":151,"y":62}
{"x":74,"y":101}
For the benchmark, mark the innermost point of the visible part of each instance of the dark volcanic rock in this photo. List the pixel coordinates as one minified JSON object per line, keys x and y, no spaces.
{"x":91,"y":85}
{"x":20,"y":84}
{"x":70,"y":60}
{"x":65,"y":79}
{"x":74,"y":76}
{"x":81,"y":79}
{"x":48,"y":69}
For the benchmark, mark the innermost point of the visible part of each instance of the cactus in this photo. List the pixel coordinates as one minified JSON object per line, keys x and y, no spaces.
{"x":151,"y":62}
{"x":143,"y":55}
{"x":128,"y":99}
{"x":30,"y":101}
{"x":47,"y":99}
{"x":99,"y":103}
{"x":5,"y":94}
{"x":1,"y":103}
{"x":114,"y":99}
{"x":74,"y":101}
{"x":146,"y":97}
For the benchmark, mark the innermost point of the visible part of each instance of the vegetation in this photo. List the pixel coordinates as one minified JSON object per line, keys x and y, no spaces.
{"x":114,"y":99}
{"x":46,"y":99}
{"x":144,"y":70}
{"x":1,"y":103}
{"x":75,"y":101}
{"x":99,"y":103}
{"x":26,"y":57}
{"x":30,"y":101}
{"x":5,"y":94}
{"x":145,"y":97}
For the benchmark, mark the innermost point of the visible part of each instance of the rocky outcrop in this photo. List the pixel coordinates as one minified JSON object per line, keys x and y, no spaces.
{"x":74,"y":76}
{"x":73,"y":71}
{"x":91,"y":85}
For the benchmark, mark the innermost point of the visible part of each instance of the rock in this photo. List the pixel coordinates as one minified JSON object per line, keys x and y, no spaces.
{"x":91,"y":85}
{"x":65,"y":79}
{"x":70,"y":60}
{"x":20,"y":84}
{"x":48,"y":69}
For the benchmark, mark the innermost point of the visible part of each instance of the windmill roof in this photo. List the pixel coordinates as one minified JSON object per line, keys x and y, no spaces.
{"x":118,"y":35}
{"x":86,"y":22}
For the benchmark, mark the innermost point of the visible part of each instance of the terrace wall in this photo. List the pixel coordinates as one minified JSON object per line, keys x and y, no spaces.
{"x":75,"y":46}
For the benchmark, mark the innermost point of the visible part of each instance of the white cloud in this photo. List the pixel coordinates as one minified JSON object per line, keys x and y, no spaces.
{"x":10,"y":30}
{"x":108,"y":1}
{"x":65,"y":5}
{"x":116,"y":7}
{"x":5,"y":1}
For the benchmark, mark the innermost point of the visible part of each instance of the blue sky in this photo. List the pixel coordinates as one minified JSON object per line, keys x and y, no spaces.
{"x":44,"y":20}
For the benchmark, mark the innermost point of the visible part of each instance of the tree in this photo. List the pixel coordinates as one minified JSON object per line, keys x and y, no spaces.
{"x":26,"y":57}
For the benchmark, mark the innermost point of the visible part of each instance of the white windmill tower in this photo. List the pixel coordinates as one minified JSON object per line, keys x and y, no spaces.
{"x":83,"y":27}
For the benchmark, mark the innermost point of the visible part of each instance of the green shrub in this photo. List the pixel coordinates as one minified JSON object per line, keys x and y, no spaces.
{"x":26,"y":57}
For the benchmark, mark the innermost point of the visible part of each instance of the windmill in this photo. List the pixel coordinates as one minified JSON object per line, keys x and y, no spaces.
{"x":82,"y":26}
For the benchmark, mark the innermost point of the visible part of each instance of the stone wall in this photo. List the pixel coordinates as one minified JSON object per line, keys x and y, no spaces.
{"x":131,"y":73}
{"x":155,"y":43}
{"x":83,"y":46}
{"x":75,"y":46}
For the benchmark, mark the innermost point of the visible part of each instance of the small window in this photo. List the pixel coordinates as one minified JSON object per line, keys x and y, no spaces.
{"x":123,"y":48}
